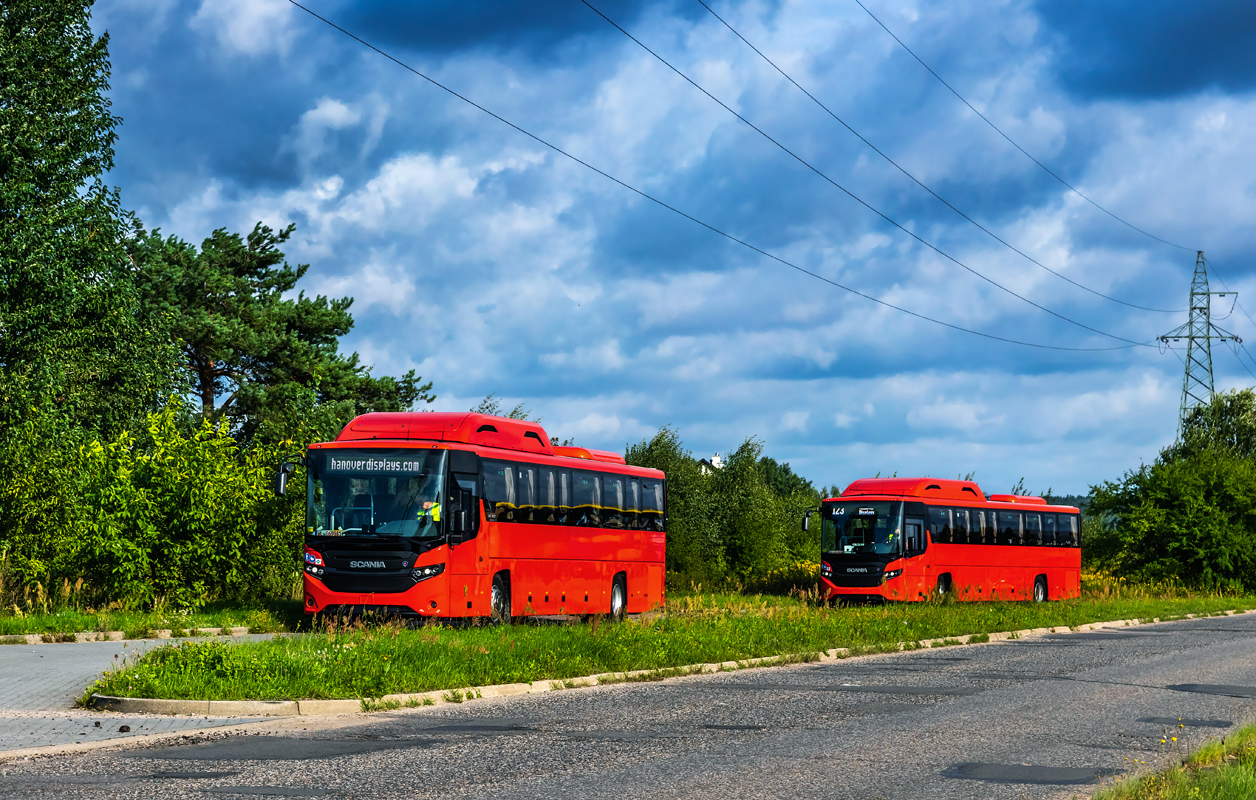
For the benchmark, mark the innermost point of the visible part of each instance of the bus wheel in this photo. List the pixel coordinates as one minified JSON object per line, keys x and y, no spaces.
{"x":944,"y":585}
{"x":1040,"y":589}
{"x":619,"y":597}
{"x":499,"y":600}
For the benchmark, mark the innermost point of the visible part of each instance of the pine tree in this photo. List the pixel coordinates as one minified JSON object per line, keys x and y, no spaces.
{"x":269,"y":365}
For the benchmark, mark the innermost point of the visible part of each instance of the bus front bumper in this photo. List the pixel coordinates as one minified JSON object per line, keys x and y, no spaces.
{"x":887,"y":589}
{"x":427,"y":598}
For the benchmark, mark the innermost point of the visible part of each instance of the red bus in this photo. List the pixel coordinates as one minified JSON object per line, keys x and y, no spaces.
{"x":443,"y":515}
{"x":911,"y":538}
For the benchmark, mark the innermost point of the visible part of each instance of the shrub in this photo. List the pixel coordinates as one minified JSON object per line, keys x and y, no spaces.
{"x":171,"y":516}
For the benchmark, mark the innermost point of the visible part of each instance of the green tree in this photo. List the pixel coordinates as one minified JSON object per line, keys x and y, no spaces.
{"x":492,"y":405}
{"x":782,"y":479}
{"x":71,"y":342}
{"x":1190,"y":520}
{"x":1190,"y":516}
{"x":730,"y":523}
{"x":695,"y":545}
{"x":1227,"y":423}
{"x":268,"y":364}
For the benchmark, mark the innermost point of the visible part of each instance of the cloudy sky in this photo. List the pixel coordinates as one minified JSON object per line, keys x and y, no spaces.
{"x":492,"y":263}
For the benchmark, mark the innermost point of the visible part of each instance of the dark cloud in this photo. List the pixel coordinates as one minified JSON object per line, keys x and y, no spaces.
{"x":537,"y":29}
{"x":1153,"y":48}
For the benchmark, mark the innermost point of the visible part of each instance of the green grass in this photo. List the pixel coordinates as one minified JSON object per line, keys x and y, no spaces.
{"x":373,"y":661}
{"x":269,"y":617}
{"x":1218,"y":771}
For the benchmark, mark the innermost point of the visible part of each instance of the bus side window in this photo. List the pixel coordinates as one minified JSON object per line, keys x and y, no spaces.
{"x":525,"y":475}
{"x":586,"y":499}
{"x":613,"y":505}
{"x":1066,"y":530}
{"x":959,"y":529}
{"x":940,"y":524}
{"x":1009,"y":527}
{"x":547,"y":496}
{"x":633,"y":511}
{"x":563,"y":513}
{"x":652,"y":506}
{"x":1033,"y":529}
{"x":1048,"y":529}
{"x":499,"y":491}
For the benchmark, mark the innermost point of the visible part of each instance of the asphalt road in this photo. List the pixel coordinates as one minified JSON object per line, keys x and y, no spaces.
{"x":1035,"y":718}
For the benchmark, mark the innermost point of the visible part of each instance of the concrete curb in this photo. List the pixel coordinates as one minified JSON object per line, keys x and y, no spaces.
{"x":307,"y":708}
{"x":115,"y":636}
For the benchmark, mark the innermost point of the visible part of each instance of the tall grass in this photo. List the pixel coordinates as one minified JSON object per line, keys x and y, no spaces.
{"x":374,"y":660}
{"x":1223,"y":770}
{"x":262,"y":617}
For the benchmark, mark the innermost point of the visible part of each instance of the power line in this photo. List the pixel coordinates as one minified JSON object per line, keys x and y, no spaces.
{"x":697,"y":221}
{"x":1227,"y":288}
{"x":852,"y":195}
{"x":918,"y":182}
{"x":1047,"y":169}
{"x":1241,"y":362}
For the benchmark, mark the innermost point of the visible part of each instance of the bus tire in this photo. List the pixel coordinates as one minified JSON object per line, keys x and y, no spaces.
{"x":499,"y":600}
{"x":619,"y":596}
{"x":944,"y":585}
{"x":1040,"y":589}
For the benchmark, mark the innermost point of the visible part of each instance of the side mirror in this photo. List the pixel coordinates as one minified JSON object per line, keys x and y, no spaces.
{"x":806,"y":518}
{"x":457,"y":527}
{"x":281,"y":478}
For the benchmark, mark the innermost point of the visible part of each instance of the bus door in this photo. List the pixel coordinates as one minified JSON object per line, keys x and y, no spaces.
{"x":468,"y":587}
{"x":915,"y":574}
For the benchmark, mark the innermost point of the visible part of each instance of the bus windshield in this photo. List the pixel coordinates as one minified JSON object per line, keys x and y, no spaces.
{"x":375,"y":493}
{"x":861,"y":527}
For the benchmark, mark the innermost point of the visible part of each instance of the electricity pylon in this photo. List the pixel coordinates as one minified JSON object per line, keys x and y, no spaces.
{"x":1198,"y":332}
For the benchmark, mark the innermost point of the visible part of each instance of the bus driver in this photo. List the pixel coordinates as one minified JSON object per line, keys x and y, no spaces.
{"x":424,"y":491}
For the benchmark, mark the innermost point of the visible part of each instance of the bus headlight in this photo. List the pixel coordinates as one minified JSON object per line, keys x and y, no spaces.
{"x":425,"y":572}
{"x":893,"y":573}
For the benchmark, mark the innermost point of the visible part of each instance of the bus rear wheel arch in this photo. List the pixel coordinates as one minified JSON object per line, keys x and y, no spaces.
{"x":1040,"y":589}
{"x":619,"y":596}
{"x":499,"y":599}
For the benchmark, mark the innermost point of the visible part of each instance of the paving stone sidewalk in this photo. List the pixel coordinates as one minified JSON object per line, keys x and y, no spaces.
{"x":40,"y":683}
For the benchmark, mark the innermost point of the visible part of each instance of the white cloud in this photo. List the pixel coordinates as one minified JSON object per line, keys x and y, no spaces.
{"x":381,"y":282}
{"x":330,"y":114}
{"x":593,"y":425}
{"x":795,"y":420}
{"x":958,"y":415}
{"x":247,"y":27}
{"x":600,"y":358}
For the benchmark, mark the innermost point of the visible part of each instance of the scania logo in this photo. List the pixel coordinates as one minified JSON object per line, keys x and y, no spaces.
{"x":856,"y":569}
{"x":367,"y":565}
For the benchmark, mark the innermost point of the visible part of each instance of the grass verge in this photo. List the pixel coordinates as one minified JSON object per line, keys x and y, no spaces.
{"x":365,"y":662}
{"x":268,"y":617}
{"x":1224,"y":770}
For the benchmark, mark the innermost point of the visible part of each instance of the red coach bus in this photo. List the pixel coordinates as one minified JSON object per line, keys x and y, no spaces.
{"x":467,"y":515}
{"x":910,"y":538}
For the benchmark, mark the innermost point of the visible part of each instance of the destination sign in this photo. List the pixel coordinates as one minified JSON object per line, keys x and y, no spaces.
{"x":374,"y":465}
